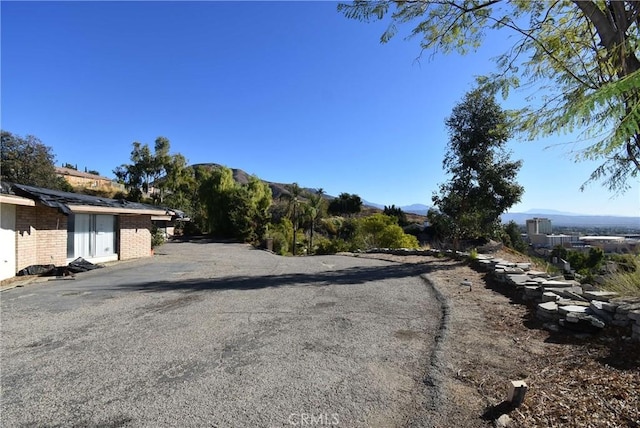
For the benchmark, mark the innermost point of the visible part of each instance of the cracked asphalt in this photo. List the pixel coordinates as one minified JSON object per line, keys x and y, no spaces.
{"x":221,"y":335}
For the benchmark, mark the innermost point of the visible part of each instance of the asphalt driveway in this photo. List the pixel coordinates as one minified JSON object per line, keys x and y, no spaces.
{"x":221,"y":335}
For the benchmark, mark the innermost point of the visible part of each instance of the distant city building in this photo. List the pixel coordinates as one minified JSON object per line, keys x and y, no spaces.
{"x":612,"y":244}
{"x":550,"y":241}
{"x":538,"y":226}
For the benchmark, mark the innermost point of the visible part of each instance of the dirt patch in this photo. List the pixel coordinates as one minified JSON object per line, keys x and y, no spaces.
{"x":492,"y":338}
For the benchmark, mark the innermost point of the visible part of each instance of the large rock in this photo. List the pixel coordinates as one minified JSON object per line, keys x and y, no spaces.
{"x":597,"y":307}
{"x":579,"y":321}
{"x":634,"y":315}
{"x":572,"y":309}
{"x":603,"y":296}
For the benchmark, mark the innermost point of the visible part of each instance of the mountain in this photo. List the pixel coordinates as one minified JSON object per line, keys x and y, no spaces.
{"x":419,"y":209}
{"x":545,"y":211}
{"x":576,"y":220}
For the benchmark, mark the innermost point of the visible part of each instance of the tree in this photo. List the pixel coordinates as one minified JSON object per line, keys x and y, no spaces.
{"x":215,"y":193}
{"x":26,"y":160}
{"x":235,"y":210}
{"x":345,"y":204}
{"x":482,"y":184}
{"x":314,"y":210}
{"x":147,"y":169}
{"x":396,"y":212}
{"x":580,"y":56}
{"x":512,"y":237}
{"x":293,"y":198}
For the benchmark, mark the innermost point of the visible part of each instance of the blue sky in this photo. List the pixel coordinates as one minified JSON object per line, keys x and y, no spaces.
{"x":289,"y":91}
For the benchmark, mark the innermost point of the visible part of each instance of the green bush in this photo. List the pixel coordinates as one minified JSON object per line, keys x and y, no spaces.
{"x":382,"y":231}
{"x":157,"y":237}
{"x":332,"y":246}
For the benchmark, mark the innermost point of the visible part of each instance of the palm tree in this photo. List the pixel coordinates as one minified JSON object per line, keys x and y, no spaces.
{"x":293,"y":203}
{"x":315,"y":204}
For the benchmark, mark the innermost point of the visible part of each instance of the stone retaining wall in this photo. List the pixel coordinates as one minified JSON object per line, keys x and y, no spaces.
{"x":560,"y":304}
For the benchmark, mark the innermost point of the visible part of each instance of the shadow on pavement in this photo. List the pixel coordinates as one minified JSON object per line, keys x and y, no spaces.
{"x":354,"y":275}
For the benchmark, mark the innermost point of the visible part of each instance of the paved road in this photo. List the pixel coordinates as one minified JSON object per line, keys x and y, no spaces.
{"x":220,"y":335}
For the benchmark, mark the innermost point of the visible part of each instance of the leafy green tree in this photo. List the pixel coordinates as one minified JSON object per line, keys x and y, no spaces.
{"x":560,"y":252}
{"x":345,"y":204}
{"x":26,"y":160}
{"x":482,"y":184}
{"x":396,"y":212}
{"x":512,"y":237}
{"x":215,"y":193}
{"x":146,"y":170}
{"x":235,"y":210}
{"x":580,"y":57}
{"x":69,"y":166}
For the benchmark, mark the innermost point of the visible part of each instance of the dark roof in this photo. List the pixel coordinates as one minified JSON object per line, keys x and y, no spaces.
{"x":62,"y":200}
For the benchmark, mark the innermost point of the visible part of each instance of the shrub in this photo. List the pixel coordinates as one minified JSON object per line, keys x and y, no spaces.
{"x":157,"y":237}
{"x":333,"y":246}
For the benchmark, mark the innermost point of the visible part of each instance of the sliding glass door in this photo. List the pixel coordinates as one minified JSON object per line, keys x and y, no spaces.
{"x":91,"y":236}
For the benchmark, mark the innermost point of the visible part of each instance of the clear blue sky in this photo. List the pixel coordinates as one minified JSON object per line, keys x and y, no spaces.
{"x":289,"y":91}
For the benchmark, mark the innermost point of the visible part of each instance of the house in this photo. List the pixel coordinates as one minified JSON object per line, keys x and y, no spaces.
{"x":43,"y":226}
{"x":85,"y":180}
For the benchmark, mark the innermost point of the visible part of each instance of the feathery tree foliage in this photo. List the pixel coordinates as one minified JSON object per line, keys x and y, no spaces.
{"x":235,"y":210}
{"x":146,"y":169}
{"x":26,"y":160}
{"x":580,"y":57}
{"x":482,"y":184}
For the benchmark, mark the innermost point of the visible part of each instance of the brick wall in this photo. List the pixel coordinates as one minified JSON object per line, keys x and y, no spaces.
{"x":51,"y":232}
{"x":135,"y":236}
{"x":41,"y":236}
{"x":25,"y":236}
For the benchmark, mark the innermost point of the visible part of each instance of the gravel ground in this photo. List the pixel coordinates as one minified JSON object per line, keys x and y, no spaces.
{"x":210,"y":334}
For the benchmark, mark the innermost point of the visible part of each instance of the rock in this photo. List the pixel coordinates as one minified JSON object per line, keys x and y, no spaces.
{"x":519,"y":279}
{"x":551,"y":307}
{"x":600,"y":295}
{"x":551,"y":326}
{"x":572,"y":309}
{"x":634,"y":315}
{"x":625,"y":308}
{"x":570,"y":292}
{"x":569,"y":302}
{"x":596,"y":307}
{"x":504,"y":421}
{"x":548,"y":296}
{"x":583,"y":322}
{"x":547,"y":311}
{"x":620,"y":322}
{"x":556,"y":284}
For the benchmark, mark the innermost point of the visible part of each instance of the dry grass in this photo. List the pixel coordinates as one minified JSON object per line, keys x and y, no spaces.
{"x":624,"y":283}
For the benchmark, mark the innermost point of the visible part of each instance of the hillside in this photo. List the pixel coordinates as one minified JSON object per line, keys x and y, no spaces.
{"x":277,"y":189}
